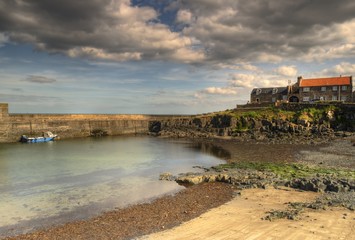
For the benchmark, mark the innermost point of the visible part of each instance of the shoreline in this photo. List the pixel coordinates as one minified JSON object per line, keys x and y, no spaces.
{"x":137,"y":220}
{"x":165,"y":212}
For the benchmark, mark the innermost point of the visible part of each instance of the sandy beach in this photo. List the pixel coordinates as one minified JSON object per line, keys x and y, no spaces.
{"x":241,"y":218}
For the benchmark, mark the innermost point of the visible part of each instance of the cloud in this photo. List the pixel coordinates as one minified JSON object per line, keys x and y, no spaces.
{"x":272,"y":31}
{"x":39,"y":79}
{"x":3,"y":39}
{"x":344,"y":68}
{"x":237,"y":66}
{"x":212,"y":31}
{"x":288,"y":71}
{"x":24,"y":98}
{"x":243,"y":80}
{"x":257,"y":79}
{"x":184,"y":16}
{"x":220,"y":91}
{"x":109,"y":29}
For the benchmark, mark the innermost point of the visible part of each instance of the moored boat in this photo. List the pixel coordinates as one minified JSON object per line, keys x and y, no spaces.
{"x":47,"y":136}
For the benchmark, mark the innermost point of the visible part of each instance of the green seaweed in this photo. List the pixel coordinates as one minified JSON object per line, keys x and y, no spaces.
{"x":291,"y":170}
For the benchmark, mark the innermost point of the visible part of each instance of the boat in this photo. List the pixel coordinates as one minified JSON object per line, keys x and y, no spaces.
{"x":47,"y":136}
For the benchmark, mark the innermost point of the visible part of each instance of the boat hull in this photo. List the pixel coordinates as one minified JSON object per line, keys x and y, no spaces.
{"x":36,"y":139}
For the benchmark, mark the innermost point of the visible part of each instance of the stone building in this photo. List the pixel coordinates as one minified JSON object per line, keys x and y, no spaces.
{"x":326,"y":89}
{"x":269,"y":95}
{"x":307,"y":90}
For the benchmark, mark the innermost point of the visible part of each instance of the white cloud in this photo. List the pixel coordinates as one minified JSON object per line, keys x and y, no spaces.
{"x":256,"y":80}
{"x":243,"y":80}
{"x":344,"y":68}
{"x":288,"y":71}
{"x":184,"y":16}
{"x":220,"y":91}
{"x":89,"y":52}
{"x":237,"y":66}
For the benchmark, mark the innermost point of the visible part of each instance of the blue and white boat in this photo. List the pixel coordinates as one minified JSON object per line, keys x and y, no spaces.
{"x":47,"y":136}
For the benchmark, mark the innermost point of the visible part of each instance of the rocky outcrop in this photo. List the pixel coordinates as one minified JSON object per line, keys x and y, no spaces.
{"x":305,"y":128}
{"x":322,"y":184}
{"x":241,"y":178}
{"x":249,"y":178}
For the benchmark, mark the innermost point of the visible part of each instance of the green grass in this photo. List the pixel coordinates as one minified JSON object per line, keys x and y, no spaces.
{"x":291,"y":170}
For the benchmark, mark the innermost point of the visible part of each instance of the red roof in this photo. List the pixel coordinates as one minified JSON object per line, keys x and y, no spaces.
{"x":333,"y":81}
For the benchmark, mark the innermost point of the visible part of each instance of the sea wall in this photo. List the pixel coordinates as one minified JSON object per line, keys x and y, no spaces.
{"x":13,"y":126}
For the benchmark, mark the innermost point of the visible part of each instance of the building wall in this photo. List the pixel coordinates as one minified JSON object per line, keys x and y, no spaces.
{"x":4,"y":110}
{"x":266,"y":98}
{"x":316,"y":93}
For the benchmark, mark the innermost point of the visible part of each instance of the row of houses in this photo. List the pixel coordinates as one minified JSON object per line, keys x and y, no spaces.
{"x":308,"y":90}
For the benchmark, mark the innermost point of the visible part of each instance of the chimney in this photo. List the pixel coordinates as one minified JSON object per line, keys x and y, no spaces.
{"x":299,"y":78}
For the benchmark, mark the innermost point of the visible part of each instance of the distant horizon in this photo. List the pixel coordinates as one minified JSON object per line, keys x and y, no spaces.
{"x":165,"y":57}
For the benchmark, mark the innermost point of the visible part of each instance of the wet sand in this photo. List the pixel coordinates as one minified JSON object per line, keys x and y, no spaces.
{"x":138,"y":220}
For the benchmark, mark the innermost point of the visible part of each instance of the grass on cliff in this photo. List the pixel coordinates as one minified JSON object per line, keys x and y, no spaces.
{"x":310,"y":114}
{"x":267,"y":113}
{"x":291,"y":170}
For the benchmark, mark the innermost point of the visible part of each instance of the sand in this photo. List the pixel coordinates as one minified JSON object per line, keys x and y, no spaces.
{"x":241,"y":218}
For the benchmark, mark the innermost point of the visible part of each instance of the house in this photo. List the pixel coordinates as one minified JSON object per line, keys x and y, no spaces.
{"x":325,"y":89}
{"x":269,"y":95}
{"x":307,"y":90}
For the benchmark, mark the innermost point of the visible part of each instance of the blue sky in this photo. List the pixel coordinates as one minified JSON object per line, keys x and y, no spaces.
{"x":165,"y":57}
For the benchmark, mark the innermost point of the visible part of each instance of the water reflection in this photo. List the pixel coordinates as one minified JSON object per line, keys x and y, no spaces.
{"x":212,"y":149}
{"x":64,"y":180}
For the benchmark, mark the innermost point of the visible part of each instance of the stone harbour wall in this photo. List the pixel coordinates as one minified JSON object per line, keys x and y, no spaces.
{"x":13,"y":126}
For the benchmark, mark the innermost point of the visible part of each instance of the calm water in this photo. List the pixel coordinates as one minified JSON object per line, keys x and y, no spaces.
{"x":49,"y":183}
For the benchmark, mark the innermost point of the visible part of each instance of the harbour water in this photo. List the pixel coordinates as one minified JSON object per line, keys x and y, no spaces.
{"x":51,"y":183}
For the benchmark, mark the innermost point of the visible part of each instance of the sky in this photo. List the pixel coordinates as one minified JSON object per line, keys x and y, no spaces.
{"x":165,"y":56}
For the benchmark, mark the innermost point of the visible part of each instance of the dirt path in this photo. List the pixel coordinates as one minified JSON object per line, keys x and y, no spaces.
{"x":241,"y":219}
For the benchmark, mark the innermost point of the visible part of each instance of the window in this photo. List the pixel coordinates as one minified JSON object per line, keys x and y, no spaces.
{"x":321,"y":98}
{"x":334,"y":98}
{"x":306,"y":89}
{"x":258,"y":91}
{"x":323,"y":89}
{"x":273,"y":99}
{"x":274,"y":90}
{"x":335,"y":88}
{"x":344,"y":88}
{"x":305,"y":99}
{"x":284,"y":97}
{"x":344,"y":98}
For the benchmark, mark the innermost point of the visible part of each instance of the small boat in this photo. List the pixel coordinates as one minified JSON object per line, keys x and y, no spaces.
{"x":47,"y":136}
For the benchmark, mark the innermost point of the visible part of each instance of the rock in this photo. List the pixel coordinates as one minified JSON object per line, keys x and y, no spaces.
{"x":166,"y":176}
{"x":190,"y":179}
{"x":321,"y":184}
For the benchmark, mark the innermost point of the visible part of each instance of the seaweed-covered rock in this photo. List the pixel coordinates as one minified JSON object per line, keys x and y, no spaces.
{"x":322,"y":184}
